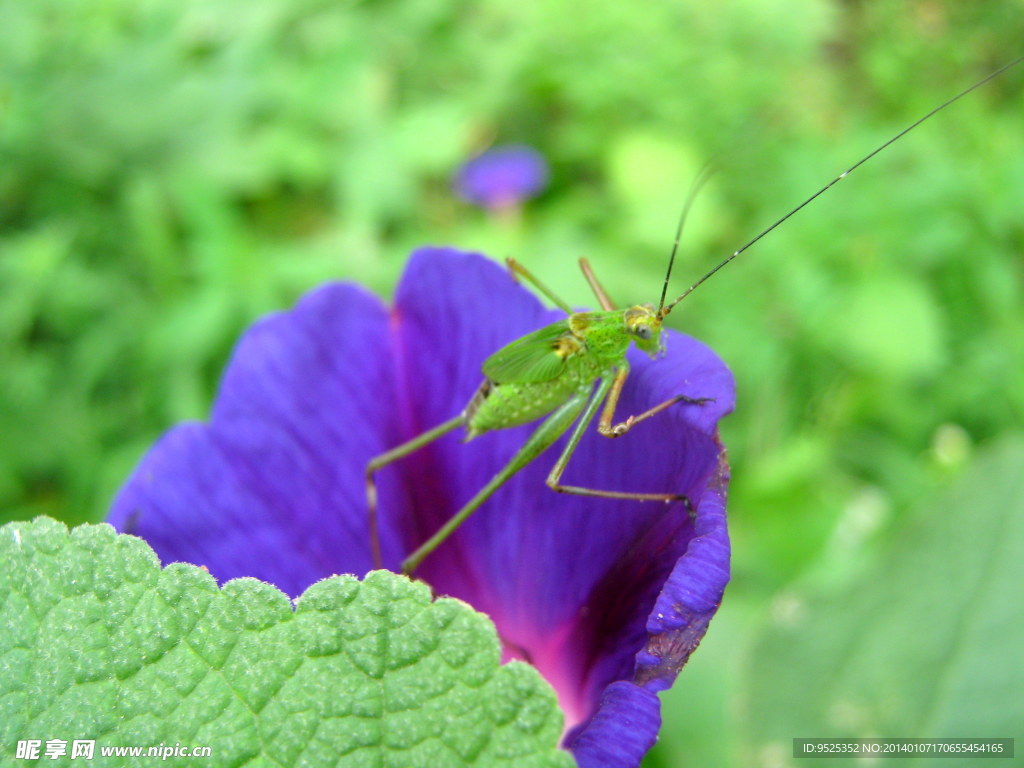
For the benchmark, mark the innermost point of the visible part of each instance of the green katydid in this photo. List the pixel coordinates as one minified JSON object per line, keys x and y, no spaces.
{"x":566,"y":370}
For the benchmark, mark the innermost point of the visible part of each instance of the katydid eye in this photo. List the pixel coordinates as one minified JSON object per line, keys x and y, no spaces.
{"x":643,"y":332}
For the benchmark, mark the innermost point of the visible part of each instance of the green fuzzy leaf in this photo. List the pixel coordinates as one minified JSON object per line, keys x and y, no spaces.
{"x":97,"y":642}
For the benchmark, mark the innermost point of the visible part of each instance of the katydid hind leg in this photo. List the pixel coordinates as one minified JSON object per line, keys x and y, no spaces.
{"x":547,"y":433}
{"x":599,"y":292}
{"x":390,"y":457}
{"x":518,"y":270}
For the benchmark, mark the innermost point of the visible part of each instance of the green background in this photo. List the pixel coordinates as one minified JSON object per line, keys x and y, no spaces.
{"x":170,"y":171}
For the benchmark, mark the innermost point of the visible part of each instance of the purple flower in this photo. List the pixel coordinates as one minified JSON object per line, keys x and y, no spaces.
{"x":607,"y":598}
{"x":502,"y":177}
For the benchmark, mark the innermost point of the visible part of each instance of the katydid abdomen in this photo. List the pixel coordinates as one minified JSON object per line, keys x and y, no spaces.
{"x":499,"y":406}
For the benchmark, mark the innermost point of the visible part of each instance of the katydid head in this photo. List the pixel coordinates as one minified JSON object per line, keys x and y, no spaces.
{"x":643,"y":324}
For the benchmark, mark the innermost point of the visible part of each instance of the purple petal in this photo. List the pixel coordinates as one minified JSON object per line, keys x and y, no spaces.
{"x":267,"y":489}
{"x":691,"y":595}
{"x":623,"y":729}
{"x":592,"y":591}
{"x":502,"y":176}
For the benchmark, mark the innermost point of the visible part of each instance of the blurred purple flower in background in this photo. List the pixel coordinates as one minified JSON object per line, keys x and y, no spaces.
{"x":502,"y":177}
{"x":606,"y":598}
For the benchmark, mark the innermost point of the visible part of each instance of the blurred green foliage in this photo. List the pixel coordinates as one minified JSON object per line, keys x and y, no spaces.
{"x":169,"y":171}
{"x":919,"y":646}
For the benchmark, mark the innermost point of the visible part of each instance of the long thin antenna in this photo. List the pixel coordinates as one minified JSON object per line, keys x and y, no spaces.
{"x":705,"y":173}
{"x":665,"y":310}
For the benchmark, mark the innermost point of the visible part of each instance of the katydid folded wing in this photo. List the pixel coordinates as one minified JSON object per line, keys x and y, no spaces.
{"x":537,"y":356}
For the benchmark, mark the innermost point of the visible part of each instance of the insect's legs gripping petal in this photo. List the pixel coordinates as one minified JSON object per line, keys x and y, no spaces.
{"x":550,"y":430}
{"x":609,"y":429}
{"x":556,"y":471}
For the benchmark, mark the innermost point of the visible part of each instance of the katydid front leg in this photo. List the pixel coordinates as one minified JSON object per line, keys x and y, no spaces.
{"x":608,"y":429}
